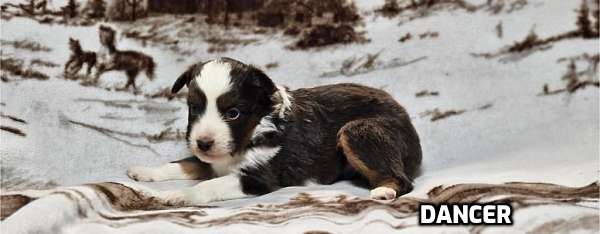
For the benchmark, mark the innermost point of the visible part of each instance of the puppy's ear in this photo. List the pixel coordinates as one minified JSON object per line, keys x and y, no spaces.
{"x":260,"y":84}
{"x":258,"y":79}
{"x":186,"y":77}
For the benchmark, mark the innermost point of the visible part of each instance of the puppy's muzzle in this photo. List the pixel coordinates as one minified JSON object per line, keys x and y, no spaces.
{"x":205,"y":144}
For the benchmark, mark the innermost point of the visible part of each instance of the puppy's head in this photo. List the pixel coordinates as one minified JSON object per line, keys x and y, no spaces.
{"x":226,"y":101}
{"x":74,"y":44}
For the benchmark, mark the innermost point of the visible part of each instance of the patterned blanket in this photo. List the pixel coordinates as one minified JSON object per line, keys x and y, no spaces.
{"x":130,"y":208}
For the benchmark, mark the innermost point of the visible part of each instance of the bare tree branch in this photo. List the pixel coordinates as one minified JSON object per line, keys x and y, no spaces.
{"x":12,"y":130}
{"x":110,"y":133}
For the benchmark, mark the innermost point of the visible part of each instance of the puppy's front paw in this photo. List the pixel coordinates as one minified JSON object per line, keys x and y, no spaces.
{"x":144,"y":174}
{"x":383,"y":193}
{"x":185,"y":197}
{"x":173,"y":198}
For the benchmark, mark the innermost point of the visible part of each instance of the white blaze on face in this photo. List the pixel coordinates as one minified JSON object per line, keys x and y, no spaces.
{"x":214,"y":80}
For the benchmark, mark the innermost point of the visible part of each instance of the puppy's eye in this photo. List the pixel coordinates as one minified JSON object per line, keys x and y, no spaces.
{"x":232,"y":114}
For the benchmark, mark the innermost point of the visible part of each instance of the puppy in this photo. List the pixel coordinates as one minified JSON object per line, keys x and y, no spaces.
{"x":250,"y":137}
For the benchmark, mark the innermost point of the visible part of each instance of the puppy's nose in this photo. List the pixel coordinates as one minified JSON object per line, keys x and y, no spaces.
{"x":204,"y":144}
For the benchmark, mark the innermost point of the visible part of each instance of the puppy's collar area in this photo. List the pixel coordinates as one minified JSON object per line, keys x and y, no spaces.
{"x":283,"y":101}
{"x":268,"y":132}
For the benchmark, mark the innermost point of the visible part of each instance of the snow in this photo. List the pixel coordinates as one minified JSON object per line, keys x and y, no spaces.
{"x":522,"y":137}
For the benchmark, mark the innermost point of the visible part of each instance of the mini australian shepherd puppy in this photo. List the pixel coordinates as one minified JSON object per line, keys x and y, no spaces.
{"x":249,"y":137}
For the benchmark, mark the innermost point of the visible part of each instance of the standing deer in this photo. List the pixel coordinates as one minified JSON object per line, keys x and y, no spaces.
{"x":112,"y":59}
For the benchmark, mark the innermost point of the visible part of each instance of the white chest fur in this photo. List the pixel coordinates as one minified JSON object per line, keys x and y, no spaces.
{"x":252,"y":158}
{"x":225,"y":167}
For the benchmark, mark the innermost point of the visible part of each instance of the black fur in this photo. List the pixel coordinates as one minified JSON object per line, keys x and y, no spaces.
{"x":309,"y":140}
{"x":251,"y":93}
{"x":186,"y":77}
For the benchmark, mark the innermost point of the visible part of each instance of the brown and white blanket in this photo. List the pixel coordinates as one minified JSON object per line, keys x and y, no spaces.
{"x":121,"y":208}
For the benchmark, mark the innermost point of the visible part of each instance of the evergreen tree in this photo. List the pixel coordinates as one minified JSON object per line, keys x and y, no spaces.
{"x":597,"y":24}
{"x":134,"y":4}
{"x":583,"y":22}
{"x":97,"y":8}
{"x":72,"y":8}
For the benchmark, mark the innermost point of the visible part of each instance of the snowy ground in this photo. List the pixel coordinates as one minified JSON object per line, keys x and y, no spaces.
{"x":521,"y":137}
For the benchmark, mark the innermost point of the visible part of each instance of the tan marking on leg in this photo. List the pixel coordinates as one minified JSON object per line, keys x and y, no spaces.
{"x":355,"y":162}
{"x":389,"y":183}
{"x":375,"y":179}
{"x":195,"y":170}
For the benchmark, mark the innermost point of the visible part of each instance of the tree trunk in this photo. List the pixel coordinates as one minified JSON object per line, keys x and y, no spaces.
{"x":133,"y":10}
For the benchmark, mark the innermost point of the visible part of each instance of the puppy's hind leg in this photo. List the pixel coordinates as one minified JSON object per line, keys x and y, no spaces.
{"x":186,"y":169}
{"x":385,"y":151}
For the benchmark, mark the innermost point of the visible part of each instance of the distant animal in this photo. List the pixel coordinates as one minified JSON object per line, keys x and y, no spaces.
{"x":112,"y":59}
{"x":249,"y":137}
{"x":78,"y":58}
